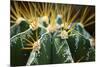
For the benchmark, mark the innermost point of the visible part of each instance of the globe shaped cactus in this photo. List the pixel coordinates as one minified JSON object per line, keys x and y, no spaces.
{"x":49,"y":33}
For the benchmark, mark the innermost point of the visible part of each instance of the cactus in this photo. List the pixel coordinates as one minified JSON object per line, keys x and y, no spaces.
{"x":48,"y":37}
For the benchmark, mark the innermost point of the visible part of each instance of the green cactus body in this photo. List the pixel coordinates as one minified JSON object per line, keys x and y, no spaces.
{"x":53,"y":40}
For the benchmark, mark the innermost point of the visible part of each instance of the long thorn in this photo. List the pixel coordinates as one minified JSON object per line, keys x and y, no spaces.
{"x":84,"y":15}
{"x":89,"y":18}
{"x":88,"y":24}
